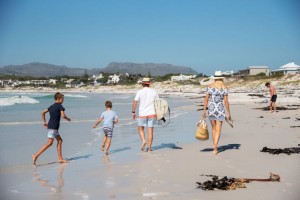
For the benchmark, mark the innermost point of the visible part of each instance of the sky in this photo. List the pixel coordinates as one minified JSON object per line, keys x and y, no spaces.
{"x":206,"y":35}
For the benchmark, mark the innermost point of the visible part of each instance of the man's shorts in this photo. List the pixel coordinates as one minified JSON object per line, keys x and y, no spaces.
{"x":108,"y":132}
{"x":52,"y":133}
{"x":146,"y":122}
{"x":274,"y":97}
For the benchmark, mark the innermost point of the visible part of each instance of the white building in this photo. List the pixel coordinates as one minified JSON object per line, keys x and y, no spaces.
{"x":182,"y":77}
{"x":254,"y":70}
{"x":100,"y":76}
{"x":113,"y":79}
{"x":53,"y":81}
{"x":290,"y":68}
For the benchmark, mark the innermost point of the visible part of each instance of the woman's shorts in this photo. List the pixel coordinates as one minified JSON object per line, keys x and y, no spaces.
{"x":52,"y":133}
{"x":146,"y":122}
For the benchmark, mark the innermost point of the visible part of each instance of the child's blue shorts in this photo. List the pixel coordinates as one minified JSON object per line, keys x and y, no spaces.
{"x":52,"y":133}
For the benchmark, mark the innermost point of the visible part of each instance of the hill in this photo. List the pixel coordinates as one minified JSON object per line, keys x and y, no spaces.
{"x":37,"y":69}
{"x":146,"y":68}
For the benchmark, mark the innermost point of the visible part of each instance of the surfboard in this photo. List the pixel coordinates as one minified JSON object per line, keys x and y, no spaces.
{"x":161,"y":108}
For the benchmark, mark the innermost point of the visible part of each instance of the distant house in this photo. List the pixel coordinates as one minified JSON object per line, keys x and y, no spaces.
{"x":95,"y":77}
{"x":113,"y":79}
{"x":53,"y":81}
{"x":71,"y":83}
{"x":227,"y":73}
{"x":40,"y":82}
{"x":182,"y":77}
{"x":290,"y":68}
{"x":254,"y":70}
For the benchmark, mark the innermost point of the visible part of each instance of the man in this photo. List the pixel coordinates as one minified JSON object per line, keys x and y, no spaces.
{"x":273,"y":95}
{"x":147,"y":117}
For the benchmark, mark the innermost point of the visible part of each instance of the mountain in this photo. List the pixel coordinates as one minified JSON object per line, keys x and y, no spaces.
{"x":37,"y":69}
{"x":146,"y":68}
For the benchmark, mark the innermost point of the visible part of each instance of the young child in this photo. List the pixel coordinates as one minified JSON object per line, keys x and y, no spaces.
{"x":110,"y":118}
{"x":56,"y":111}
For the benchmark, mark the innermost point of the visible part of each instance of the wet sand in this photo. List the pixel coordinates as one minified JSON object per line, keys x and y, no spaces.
{"x":172,"y":169}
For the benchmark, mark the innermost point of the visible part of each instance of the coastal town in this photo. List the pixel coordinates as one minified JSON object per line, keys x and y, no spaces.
{"x":123,"y":79}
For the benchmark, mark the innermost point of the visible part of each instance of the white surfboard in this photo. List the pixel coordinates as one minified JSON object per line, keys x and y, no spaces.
{"x":161,"y":108}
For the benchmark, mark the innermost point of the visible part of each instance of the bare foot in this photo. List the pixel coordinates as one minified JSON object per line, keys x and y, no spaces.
{"x":106,"y":153}
{"x":143,"y":146}
{"x":102,"y":147}
{"x":63,"y":161}
{"x":34,"y":158}
{"x":215,"y":151}
{"x":149,"y":150}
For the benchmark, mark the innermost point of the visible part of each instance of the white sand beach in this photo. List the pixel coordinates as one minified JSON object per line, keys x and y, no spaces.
{"x":173,"y":168}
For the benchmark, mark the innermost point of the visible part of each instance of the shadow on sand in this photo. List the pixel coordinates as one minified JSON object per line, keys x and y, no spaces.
{"x":164,"y":145}
{"x":224,"y":148}
{"x":68,"y":159}
{"x":119,"y":150}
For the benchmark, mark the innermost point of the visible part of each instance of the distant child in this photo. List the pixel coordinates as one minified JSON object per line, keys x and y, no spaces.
{"x":273,"y":96}
{"x":110,"y":118}
{"x":56,"y":111}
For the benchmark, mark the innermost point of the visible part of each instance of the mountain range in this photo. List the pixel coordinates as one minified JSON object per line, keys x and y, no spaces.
{"x":37,"y":69}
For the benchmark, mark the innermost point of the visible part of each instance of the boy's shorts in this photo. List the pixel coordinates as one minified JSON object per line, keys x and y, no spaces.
{"x":108,"y":132}
{"x":274,"y":97}
{"x":146,"y":122}
{"x":52,"y":133}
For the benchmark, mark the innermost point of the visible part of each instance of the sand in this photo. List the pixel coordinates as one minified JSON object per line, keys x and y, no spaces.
{"x":172,"y":170}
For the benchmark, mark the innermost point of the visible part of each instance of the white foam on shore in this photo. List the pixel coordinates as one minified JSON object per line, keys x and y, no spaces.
{"x":9,"y":101}
{"x":75,"y":96}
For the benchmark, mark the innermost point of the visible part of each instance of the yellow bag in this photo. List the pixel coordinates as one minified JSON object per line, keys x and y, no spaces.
{"x":202,"y":130}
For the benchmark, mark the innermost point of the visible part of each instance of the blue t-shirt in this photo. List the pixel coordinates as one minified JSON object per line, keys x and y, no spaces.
{"x":108,"y":117}
{"x":54,"y":111}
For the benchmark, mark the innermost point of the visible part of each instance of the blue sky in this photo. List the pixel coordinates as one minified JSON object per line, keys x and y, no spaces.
{"x":206,"y":35}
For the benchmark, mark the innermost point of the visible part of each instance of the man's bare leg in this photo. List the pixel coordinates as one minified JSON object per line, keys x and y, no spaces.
{"x":142,"y":135}
{"x":150,"y":138}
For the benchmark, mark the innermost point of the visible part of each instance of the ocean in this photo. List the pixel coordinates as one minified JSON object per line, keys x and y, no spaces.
{"x":22,"y":133}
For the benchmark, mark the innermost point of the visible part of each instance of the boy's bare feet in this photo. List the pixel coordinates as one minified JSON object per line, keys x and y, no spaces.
{"x":143,"y":146}
{"x":106,"y":153}
{"x":63,"y":161}
{"x":34,"y":159}
{"x":149,"y":150}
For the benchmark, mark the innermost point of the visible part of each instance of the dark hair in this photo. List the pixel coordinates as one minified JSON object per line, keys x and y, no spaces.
{"x":58,"y":95}
{"x":108,"y":104}
{"x":267,"y":84}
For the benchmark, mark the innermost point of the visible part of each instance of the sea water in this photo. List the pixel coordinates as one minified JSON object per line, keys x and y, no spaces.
{"x":22,"y":134}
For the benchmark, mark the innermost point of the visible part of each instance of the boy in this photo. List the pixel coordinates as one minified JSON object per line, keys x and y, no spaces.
{"x":56,"y":111}
{"x":273,"y":95}
{"x":109,"y":118}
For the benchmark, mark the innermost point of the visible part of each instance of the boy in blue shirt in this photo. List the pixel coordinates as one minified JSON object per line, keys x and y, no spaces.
{"x":56,"y":111}
{"x":110,"y":118}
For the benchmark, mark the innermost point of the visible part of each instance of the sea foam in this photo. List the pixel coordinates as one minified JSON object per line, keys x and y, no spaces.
{"x":9,"y":101}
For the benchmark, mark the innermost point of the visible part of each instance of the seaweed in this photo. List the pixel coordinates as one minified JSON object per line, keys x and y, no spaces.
{"x":276,"y":151}
{"x":226,"y":183}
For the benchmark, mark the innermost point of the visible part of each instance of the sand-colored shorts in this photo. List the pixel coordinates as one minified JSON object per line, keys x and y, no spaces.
{"x":52,"y":133}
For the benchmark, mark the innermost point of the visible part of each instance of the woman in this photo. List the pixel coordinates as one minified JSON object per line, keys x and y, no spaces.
{"x":216,"y":100}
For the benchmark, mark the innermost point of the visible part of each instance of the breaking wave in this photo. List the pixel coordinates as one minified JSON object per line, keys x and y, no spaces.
{"x":9,"y":101}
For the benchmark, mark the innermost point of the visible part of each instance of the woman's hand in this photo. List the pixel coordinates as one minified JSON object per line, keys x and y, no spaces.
{"x":228,"y":116}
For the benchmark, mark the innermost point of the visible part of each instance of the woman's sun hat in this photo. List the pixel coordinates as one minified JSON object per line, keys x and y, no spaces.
{"x":146,"y":80}
{"x":217,"y":75}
